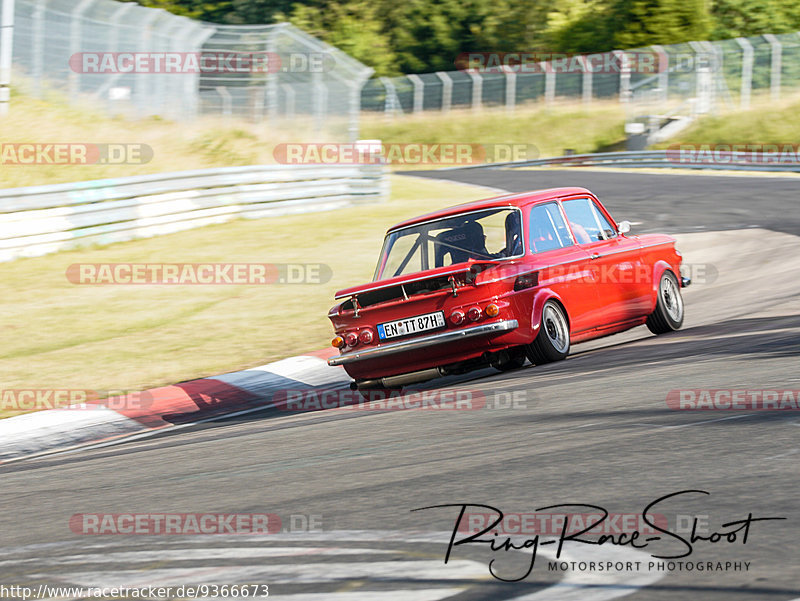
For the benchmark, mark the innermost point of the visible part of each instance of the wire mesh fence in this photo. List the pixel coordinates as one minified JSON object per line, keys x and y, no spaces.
{"x":305,"y":79}
{"x":707,"y":74}
{"x":142,"y":61}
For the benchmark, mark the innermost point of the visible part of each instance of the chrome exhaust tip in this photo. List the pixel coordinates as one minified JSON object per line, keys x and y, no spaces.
{"x":365,"y":384}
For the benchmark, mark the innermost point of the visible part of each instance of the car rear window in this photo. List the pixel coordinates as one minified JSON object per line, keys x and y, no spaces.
{"x":490,"y":234}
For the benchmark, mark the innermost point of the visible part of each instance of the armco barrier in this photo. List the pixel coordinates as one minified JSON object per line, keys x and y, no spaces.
{"x":41,"y":219}
{"x":723,"y":160}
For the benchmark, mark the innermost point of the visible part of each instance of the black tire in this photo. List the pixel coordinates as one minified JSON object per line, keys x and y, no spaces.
{"x":668,"y":314}
{"x":509,"y":359}
{"x":552,"y":341}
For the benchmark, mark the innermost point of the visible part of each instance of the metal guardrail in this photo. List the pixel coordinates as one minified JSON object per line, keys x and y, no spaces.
{"x":42,"y":219}
{"x":723,"y":160}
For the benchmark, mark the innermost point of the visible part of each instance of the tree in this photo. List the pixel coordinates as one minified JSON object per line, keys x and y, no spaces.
{"x":735,"y":18}
{"x":352,"y":27}
{"x":638,"y":23}
{"x":195,"y":9}
{"x":429,"y":35}
{"x":417,"y":36}
{"x":580,"y":26}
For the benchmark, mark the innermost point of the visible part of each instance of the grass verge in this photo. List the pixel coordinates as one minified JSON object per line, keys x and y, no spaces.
{"x":205,"y":143}
{"x":584,"y":128}
{"x":59,"y":335}
{"x":216,"y":142}
{"x":766,"y":122}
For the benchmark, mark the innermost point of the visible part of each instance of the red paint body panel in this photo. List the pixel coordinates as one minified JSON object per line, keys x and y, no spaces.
{"x":606,"y":286}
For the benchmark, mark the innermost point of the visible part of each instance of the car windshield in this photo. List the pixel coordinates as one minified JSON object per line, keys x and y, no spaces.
{"x":488,"y":234}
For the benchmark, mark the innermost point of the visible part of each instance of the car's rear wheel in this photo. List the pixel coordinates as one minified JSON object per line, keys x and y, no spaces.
{"x":508,"y":359}
{"x":668,"y":314}
{"x":552,"y":341}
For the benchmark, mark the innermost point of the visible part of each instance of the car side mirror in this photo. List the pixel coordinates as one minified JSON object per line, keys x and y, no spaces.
{"x":624,"y":227}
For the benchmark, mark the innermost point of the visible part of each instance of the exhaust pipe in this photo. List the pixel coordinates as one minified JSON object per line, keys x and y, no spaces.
{"x":397,"y":381}
{"x":412,"y":378}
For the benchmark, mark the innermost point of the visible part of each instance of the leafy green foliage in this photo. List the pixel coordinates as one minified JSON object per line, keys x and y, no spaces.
{"x":734,"y":18}
{"x":643,"y":22}
{"x":418,"y":36}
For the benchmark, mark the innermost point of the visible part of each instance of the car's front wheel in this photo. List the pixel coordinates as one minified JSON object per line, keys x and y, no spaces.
{"x":552,"y":341}
{"x":668,"y":314}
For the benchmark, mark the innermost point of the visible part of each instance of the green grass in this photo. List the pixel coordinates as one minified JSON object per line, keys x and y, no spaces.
{"x":590,"y":128}
{"x":58,"y":335}
{"x":766,"y":122}
{"x":216,"y":142}
{"x":205,"y":143}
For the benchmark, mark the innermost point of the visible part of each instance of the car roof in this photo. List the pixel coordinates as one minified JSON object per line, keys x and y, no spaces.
{"x":506,"y":200}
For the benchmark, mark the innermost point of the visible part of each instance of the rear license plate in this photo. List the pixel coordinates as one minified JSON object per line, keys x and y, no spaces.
{"x":412,"y":325}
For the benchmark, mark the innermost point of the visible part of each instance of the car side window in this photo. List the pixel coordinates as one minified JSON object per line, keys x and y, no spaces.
{"x":547,"y":228}
{"x":585,"y":220}
{"x":609,"y":230}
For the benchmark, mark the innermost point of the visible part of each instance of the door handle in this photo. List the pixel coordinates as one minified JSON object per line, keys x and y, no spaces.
{"x":595,"y":256}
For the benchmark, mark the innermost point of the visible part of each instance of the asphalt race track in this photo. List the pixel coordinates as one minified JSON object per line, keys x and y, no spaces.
{"x":595,"y":429}
{"x":664,"y":202}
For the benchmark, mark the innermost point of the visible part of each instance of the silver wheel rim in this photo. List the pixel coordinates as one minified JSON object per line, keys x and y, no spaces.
{"x":555,"y":326}
{"x":671,"y":298}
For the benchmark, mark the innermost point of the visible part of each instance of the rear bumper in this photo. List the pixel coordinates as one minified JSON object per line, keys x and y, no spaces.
{"x":425,"y":342}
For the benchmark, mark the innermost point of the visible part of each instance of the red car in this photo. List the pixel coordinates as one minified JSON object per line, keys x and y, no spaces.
{"x":498,"y":280}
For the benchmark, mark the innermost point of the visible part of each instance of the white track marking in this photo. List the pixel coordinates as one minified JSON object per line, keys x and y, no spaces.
{"x":708,"y":421}
{"x":32,"y":433}
{"x":792,"y":452}
{"x":575,"y":586}
{"x":304,"y":573}
{"x":195,"y":554}
{"x":69,"y":430}
{"x":142,"y":435}
{"x":595,"y":586}
{"x":407,"y":595}
{"x":311,"y":371}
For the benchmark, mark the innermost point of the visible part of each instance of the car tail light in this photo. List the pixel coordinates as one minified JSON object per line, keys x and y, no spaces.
{"x":474,"y":313}
{"x":351,"y":339}
{"x":365,"y":336}
{"x":492,"y":310}
{"x":337,"y":342}
{"x":457,"y":318}
{"x":526,"y":280}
